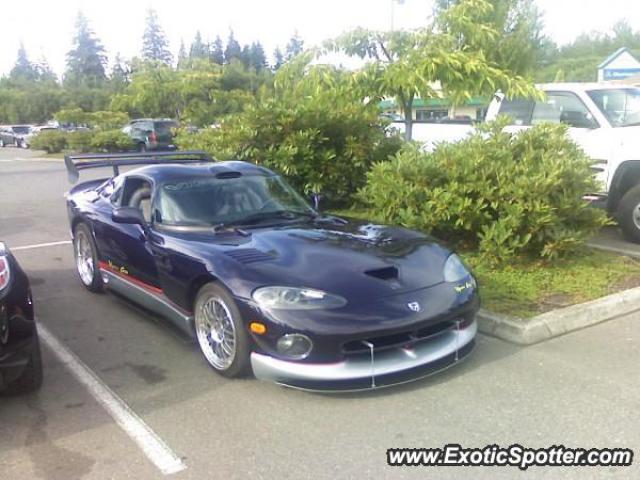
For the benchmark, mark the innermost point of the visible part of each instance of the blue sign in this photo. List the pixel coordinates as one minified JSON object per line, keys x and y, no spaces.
{"x":620,"y":73}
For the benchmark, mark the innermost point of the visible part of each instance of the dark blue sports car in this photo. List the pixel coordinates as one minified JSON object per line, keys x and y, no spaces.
{"x":231,"y":254}
{"x":20,"y":361}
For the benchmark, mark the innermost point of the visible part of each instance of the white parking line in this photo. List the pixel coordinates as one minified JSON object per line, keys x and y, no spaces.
{"x":153,"y":446}
{"x":40,"y":245}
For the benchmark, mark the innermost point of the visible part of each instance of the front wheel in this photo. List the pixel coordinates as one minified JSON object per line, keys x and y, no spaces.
{"x":220,"y":331}
{"x":86,"y":255}
{"x":629,"y":214}
{"x":31,"y":378}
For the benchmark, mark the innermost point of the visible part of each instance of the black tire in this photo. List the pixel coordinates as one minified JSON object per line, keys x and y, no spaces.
{"x":629,"y":214}
{"x":92,"y":279}
{"x":31,"y":378}
{"x":142,"y":147}
{"x":241,"y":364}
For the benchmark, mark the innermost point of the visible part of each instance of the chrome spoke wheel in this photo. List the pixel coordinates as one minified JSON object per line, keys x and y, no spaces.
{"x":636,"y":216}
{"x":84,"y":258}
{"x":216,"y":332}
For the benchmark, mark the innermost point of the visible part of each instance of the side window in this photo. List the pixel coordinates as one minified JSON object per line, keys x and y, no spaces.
{"x":563,"y":108}
{"x":137,"y":194}
{"x":518,"y":109}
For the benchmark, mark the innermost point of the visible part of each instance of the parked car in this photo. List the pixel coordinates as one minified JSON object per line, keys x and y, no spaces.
{"x":151,"y":134}
{"x":20,"y":360}
{"x":26,"y":140}
{"x":19,"y":132}
{"x":12,"y":135}
{"x":232,"y":255}
{"x":7,"y":136}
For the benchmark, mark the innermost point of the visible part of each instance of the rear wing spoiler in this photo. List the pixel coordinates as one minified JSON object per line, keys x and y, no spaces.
{"x":75,"y":163}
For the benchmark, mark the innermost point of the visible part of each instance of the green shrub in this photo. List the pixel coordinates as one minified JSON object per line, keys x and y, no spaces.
{"x":506,"y":195}
{"x":322,"y":138}
{"x":110,"y":141}
{"x":79,"y":141}
{"x":51,"y":141}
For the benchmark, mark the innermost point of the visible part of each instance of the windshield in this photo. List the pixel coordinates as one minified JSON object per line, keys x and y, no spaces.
{"x":21,"y":130}
{"x":242,"y":200}
{"x":621,"y":106}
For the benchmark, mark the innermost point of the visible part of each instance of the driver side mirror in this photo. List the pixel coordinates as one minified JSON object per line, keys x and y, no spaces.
{"x":129,"y":215}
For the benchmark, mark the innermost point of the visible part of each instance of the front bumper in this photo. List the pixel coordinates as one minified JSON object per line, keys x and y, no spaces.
{"x":368,"y":371}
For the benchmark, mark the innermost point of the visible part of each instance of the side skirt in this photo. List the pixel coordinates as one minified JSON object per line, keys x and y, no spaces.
{"x":156,"y":302}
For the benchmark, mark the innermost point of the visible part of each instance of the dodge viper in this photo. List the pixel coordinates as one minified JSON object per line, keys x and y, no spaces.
{"x":20,"y":361}
{"x":264,"y":281}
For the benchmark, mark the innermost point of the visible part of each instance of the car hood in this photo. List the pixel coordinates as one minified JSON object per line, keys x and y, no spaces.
{"x":355,"y":260}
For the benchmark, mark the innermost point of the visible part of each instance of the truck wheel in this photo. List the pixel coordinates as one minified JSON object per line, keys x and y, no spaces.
{"x":629,"y":214}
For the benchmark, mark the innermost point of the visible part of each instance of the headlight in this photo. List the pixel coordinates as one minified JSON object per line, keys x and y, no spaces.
{"x":294,"y":345}
{"x":291,"y":298}
{"x":454,"y":269}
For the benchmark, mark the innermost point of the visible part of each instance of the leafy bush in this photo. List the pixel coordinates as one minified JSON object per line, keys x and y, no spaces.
{"x":111,"y":141}
{"x":322,"y":137}
{"x":506,"y":195}
{"x":79,"y":141}
{"x":51,"y":141}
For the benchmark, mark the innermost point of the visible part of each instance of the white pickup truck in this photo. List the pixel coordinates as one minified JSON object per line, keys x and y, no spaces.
{"x":604,"y":119}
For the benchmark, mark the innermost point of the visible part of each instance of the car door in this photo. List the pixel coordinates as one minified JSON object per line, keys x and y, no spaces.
{"x":126,"y":248}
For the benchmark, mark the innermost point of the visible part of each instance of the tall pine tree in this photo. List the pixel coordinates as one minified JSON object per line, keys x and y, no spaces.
{"x":233,"y":50}
{"x":278,"y":59}
{"x":217,"y":52}
{"x":23,"y":70}
{"x":294,"y":47}
{"x":257,"y":57}
{"x":155,"y":46}
{"x":183,"y":60}
{"x":86,"y":59}
{"x":198,"y":49}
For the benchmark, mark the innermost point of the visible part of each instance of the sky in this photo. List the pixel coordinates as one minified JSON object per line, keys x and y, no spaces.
{"x":46,"y":27}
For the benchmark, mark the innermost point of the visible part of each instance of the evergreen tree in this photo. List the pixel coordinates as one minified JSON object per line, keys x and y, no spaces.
{"x":43,"y":71}
{"x":245,"y":56}
{"x":155,"y":46}
{"x":182,"y":55}
{"x":257,"y":57}
{"x":217,"y":52}
{"x":294,"y":47}
{"x":278,"y":59}
{"x":233,"y":49}
{"x":120,"y":74}
{"x":198,"y":49}
{"x":23,"y":68}
{"x":86,"y":59}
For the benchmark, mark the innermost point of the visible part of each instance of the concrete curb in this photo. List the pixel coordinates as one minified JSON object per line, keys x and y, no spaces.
{"x":558,"y":322}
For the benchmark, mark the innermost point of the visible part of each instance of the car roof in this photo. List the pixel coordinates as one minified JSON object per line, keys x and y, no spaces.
{"x":582,"y":86}
{"x":175,"y":171}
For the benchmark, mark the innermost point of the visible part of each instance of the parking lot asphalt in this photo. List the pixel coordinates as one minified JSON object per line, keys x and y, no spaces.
{"x":580,"y":390}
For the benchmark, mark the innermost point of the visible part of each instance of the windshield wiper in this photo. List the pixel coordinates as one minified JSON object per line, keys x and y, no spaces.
{"x":284,"y":214}
{"x":222,"y":227}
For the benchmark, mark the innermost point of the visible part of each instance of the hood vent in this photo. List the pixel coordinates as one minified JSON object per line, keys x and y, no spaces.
{"x":387,"y":273}
{"x":248,"y":255}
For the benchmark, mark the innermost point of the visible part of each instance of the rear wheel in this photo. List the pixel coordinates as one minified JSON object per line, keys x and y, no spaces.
{"x":629,"y":214}
{"x":87,"y":258}
{"x":31,"y":378}
{"x":220,"y":331}
{"x":1,"y":143}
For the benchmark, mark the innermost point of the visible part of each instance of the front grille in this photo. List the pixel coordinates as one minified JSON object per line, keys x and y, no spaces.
{"x":401,"y":339}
